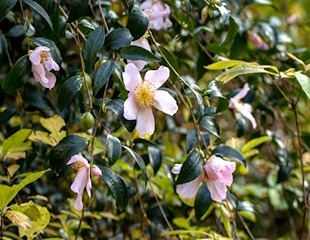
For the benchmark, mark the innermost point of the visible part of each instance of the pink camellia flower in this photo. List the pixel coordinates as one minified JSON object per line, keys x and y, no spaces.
{"x":244,"y":109}
{"x":42,"y":64}
{"x":217,"y":175}
{"x":141,"y":42}
{"x":158,"y":14}
{"x":143,"y":95}
{"x":258,"y":42}
{"x":82,"y":179}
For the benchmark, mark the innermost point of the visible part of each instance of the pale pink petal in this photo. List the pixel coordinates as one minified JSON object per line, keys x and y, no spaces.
{"x":157,"y":77}
{"x":189,"y":189}
{"x":95,"y":170}
{"x":39,"y":73}
{"x":243,"y":92}
{"x":50,"y":64}
{"x":80,"y":181}
{"x":157,"y":23}
{"x":145,"y":121}
{"x":88,"y":185}
{"x":248,"y":115}
{"x":217,"y":190}
{"x":146,"y":4}
{"x":51,"y":80}
{"x":78,"y":204}
{"x":168,"y":23}
{"x":164,"y":102}
{"x":130,"y":108}
{"x":176,"y":168}
{"x":34,"y":56}
{"x":140,"y":64}
{"x":78,"y":158}
{"x":131,"y":77}
{"x":142,"y":42}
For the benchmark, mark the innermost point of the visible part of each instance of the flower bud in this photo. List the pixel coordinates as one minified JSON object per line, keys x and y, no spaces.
{"x":95,"y":170}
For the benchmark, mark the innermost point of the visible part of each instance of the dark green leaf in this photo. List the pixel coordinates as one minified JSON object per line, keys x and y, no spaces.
{"x":16,"y":31}
{"x":132,"y":52}
{"x":92,"y":46}
{"x":284,"y":172}
{"x":117,"y":106}
{"x":222,"y":105}
{"x":209,"y":123}
{"x":18,"y":75}
{"x":5,"y":7}
{"x":138,"y":160}
{"x":117,"y":187}
{"x":229,"y":152}
{"x":203,"y":201}
{"x":214,"y":90}
{"x":232,"y":31}
{"x":64,"y":150}
{"x":191,"y":139}
{"x":118,"y":38}
{"x":304,"y":82}
{"x":114,"y":149}
{"x":78,"y":8}
{"x":28,"y":28}
{"x":137,"y":22}
{"x":191,"y":168}
{"x":41,"y":41}
{"x":6,"y":115}
{"x":155,"y":157}
{"x":102,"y":75}
{"x":40,"y":10}
{"x":68,"y":90}
{"x":172,"y":60}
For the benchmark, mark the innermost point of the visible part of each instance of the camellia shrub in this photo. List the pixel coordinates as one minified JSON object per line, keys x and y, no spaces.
{"x":154,"y":119}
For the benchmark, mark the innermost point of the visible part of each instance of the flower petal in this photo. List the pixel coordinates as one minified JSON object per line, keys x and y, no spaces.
{"x":176,"y":168}
{"x":157,"y":77}
{"x":78,"y":158}
{"x":131,"y":77}
{"x":35,"y":57}
{"x":217,"y":190}
{"x":247,"y":114}
{"x":78,"y":204}
{"x":51,"y":80}
{"x":145,"y":121}
{"x":243,"y":92}
{"x":189,"y":189}
{"x":130,"y":108}
{"x":80,"y":181}
{"x":164,"y":102}
{"x":140,"y":64}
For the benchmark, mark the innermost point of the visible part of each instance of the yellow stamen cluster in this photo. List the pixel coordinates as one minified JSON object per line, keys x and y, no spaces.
{"x":144,"y":95}
{"x":43,"y":57}
{"x":77,"y":166}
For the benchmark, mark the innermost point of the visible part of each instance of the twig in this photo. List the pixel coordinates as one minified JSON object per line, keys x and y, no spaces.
{"x":80,"y":224}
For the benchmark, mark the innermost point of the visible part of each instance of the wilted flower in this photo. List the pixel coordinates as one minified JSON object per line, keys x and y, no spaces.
{"x":42,"y":64}
{"x":217,"y":175}
{"x":158,"y":14}
{"x":143,"y":95}
{"x":82,"y":179}
{"x":141,"y":42}
{"x":244,"y":109}
{"x":258,"y":42}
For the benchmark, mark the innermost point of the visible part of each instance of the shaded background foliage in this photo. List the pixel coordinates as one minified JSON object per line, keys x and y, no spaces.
{"x":266,"y":200}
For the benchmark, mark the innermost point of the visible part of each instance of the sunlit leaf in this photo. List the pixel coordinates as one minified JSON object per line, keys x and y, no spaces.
{"x":304,"y":82}
{"x":16,"y":142}
{"x":54,"y":125}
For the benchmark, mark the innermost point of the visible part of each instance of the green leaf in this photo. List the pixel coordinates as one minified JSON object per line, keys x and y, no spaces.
{"x":117,"y":187}
{"x":229,"y":152}
{"x":40,"y":10}
{"x":78,"y":8}
{"x":254,"y":143}
{"x":18,"y":75}
{"x":41,"y":41}
{"x":9,"y":193}
{"x":203,"y":201}
{"x":16,"y":142}
{"x":232,"y":31}
{"x":54,"y":125}
{"x":118,"y":38}
{"x":209,"y":123}
{"x":172,"y":60}
{"x":102,"y":75}
{"x":191,"y":168}
{"x":28,"y":28}
{"x":5,"y":7}
{"x":68,"y":90}
{"x":114,"y":149}
{"x":132,"y":52}
{"x":138,"y":160}
{"x":155,"y":156}
{"x":7,"y":114}
{"x":137,"y":22}
{"x":304,"y":82}
{"x":223,"y":64}
{"x":64,"y":150}
{"x":92,"y":46}
{"x":39,"y":217}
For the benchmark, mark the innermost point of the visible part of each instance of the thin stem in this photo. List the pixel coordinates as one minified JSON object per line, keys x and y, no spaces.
{"x":245,"y":226}
{"x":233,"y":219}
{"x":80,"y":225}
{"x":104,"y":22}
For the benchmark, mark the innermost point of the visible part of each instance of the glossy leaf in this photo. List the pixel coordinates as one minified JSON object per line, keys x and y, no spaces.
{"x":5,"y":7}
{"x":304,"y":82}
{"x":92,"y":46}
{"x":137,"y":22}
{"x":117,"y":187}
{"x":191,"y":139}
{"x":41,"y":41}
{"x":155,"y":156}
{"x":18,"y":75}
{"x":7,"y":114}
{"x":40,"y":10}
{"x":209,"y":123}
{"x":223,"y":64}
{"x":203,"y":201}
{"x":78,"y":8}
{"x":138,"y":160}
{"x":114,"y":149}
{"x":132,"y":52}
{"x":68,"y":90}
{"x":229,"y":152}
{"x":232,"y":31}
{"x":191,"y":168}
{"x":118,"y":38}
{"x":102,"y":75}
{"x":64,"y":150}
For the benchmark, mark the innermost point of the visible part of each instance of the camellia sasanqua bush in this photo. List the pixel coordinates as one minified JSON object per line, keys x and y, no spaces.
{"x":154,"y":119}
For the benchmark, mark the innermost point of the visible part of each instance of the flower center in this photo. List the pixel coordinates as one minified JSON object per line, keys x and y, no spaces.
{"x":43,"y":57}
{"x":77,"y":166}
{"x":144,"y":95}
